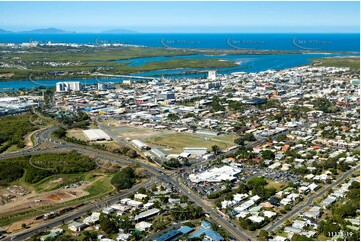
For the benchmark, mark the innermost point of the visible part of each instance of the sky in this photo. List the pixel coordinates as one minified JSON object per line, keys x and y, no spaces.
{"x":182,"y":17}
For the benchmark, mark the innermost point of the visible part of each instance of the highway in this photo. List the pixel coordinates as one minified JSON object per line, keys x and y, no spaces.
{"x":53,"y":145}
{"x":44,"y":138}
{"x":76,"y":214}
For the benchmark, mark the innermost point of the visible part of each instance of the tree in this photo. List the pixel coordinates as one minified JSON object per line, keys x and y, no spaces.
{"x":142,"y":190}
{"x":124,"y":179}
{"x":216,"y":104}
{"x":239,"y":141}
{"x":280,"y":138}
{"x":263,"y":235}
{"x":325,"y":105}
{"x":297,"y":237}
{"x":132,"y":154}
{"x":268,"y":155}
{"x":107,"y":224}
{"x":173,"y":117}
{"x":216,"y":149}
{"x":173,"y":163}
{"x":126,"y":224}
{"x":249,"y":137}
{"x":60,"y":132}
{"x":90,"y":236}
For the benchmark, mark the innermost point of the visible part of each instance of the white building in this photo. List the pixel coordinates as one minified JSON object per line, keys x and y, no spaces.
{"x":68,"y":86}
{"x":212,"y":75}
{"x":96,"y":135}
{"x":139,"y":144}
{"x":216,"y":174}
{"x":105,"y":86}
{"x":195,"y":151}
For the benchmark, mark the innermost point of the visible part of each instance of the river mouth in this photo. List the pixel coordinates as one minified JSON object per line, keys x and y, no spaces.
{"x":245,"y":63}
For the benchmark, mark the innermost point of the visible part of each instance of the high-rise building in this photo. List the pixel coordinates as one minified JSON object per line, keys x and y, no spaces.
{"x":166,"y":95}
{"x":215,"y":85}
{"x":105,"y":86}
{"x":68,"y":86}
{"x":296,"y":79}
{"x":212,"y":75}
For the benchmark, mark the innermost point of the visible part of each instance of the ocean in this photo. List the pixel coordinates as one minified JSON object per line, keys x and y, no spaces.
{"x":321,"y":43}
{"x":317,"y":42}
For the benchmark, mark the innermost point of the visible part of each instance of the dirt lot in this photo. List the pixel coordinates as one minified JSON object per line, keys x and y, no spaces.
{"x":76,"y":133}
{"x":34,"y":199}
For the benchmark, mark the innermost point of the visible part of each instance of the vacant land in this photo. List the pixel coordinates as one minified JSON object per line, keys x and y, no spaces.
{"x":177,"y":141}
{"x":351,"y":62}
{"x":277,"y":185}
{"x":140,"y":133}
{"x":76,"y":133}
{"x":22,"y":198}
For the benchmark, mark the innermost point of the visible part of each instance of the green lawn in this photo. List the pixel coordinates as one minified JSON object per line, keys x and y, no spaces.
{"x":59,"y":180}
{"x":12,"y":148}
{"x":278,"y":185}
{"x":180,"y":140}
{"x":101,"y":186}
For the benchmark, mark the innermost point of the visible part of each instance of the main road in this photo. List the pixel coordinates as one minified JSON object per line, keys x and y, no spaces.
{"x":76,"y":214}
{"x":44,"y":137}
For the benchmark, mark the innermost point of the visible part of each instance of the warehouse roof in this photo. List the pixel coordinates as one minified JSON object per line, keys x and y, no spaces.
{"x":96,"y":134}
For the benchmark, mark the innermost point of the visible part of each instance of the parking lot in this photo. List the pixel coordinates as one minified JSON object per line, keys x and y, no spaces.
{"x":206,"y":188}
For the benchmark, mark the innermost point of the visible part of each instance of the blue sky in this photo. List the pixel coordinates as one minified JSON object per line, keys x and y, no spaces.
{"x":172,"y":17}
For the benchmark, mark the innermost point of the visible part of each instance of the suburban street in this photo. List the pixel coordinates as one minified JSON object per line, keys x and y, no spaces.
{"x":272,"y":226}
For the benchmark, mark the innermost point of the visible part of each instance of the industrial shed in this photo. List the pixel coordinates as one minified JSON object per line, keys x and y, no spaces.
{"x":96,"y":135}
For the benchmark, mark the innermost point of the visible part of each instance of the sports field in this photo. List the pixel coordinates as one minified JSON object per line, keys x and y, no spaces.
{"x":175,"y":142}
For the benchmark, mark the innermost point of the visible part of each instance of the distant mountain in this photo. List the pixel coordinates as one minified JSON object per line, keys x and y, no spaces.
{"x":119,"y":31}
{"x":3,"y":31}
{"x":47,"y":31}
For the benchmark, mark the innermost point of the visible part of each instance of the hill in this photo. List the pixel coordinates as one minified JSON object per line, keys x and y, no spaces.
{"x":47,"y":31}
{"x":3,"y":31}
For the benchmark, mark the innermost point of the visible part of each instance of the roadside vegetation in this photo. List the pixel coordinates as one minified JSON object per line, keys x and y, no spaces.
{"x":347,"y":208}
{"x":37,"y":167}
{"x":13,"y":129}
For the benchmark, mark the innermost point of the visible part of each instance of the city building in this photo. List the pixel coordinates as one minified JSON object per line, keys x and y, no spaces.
{"x":96,"y":135}
{"x":69,"y":86}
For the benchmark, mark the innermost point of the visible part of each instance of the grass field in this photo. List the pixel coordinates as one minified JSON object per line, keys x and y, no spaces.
{"x":278,"y":185}
{"x":178,"y":141}
{"x":56,"y":181}
{"x":351,"y":62}
{"x":101,"y":186}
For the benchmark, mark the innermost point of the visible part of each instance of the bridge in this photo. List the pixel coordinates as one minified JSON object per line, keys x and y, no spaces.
{"x":127,"y":76}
